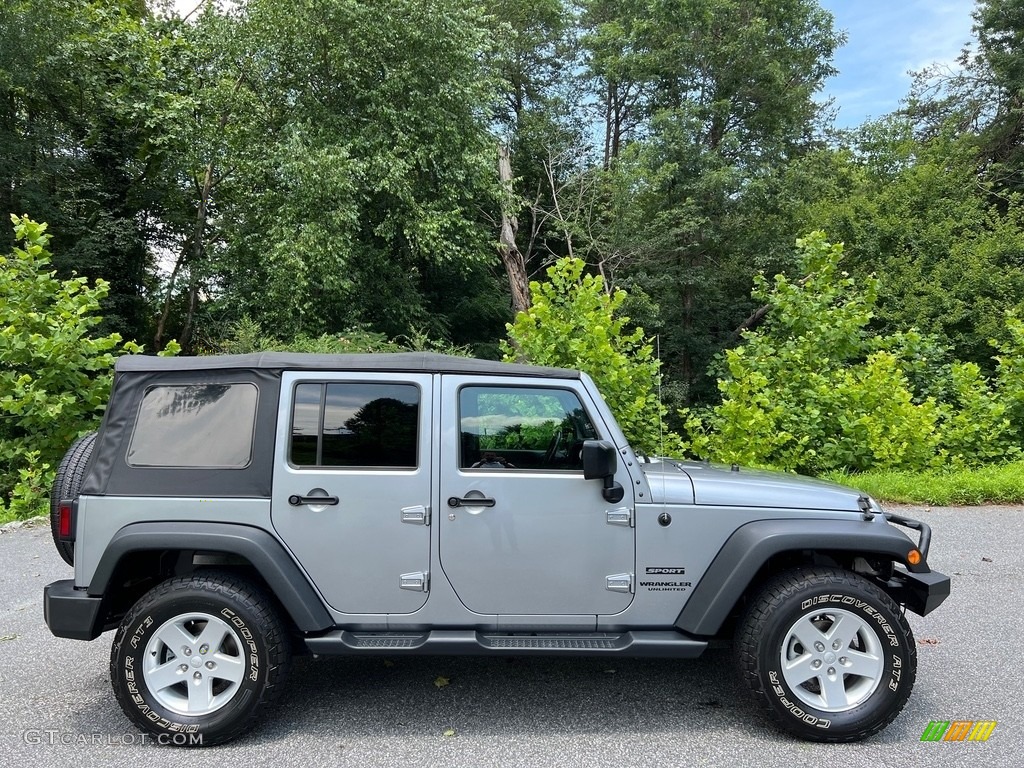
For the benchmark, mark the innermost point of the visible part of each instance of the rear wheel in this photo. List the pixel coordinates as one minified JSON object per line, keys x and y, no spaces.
{"x":828,"y":654}
{"x":198,"y":659}
{"x":66,"y":485}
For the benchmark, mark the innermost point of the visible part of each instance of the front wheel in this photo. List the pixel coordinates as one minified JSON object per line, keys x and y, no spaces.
{"x":828,"y":654}
{"x":197,"y":660}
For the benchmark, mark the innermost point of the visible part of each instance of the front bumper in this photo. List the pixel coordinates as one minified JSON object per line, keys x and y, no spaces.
{"x":921,"y":593}
{"x":71,"y":612}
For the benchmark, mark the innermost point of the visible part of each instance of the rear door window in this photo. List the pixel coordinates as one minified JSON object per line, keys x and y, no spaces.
{"x":355,"y":424}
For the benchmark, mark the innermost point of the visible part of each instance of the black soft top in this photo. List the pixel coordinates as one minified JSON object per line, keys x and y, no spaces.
{"x":429,"y":362}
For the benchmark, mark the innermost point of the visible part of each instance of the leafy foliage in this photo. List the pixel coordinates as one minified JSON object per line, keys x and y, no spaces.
{"x":247,"y":336}
{"x":983,"y":420}
{"x":814,"y":390}
{"x":55,"y":374}
{"x":575,"y":323}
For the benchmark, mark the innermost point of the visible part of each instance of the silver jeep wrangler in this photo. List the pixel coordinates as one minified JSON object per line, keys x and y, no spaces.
{"x":234,"y":510}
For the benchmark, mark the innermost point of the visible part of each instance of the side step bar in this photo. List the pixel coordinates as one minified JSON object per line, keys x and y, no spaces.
{"x":448,"y":642}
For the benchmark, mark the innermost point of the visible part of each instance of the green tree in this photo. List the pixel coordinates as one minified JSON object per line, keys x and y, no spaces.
{"x":573,"y":322}
{"x":366,"y":169}
{"x":913,"y":209}
{"x":707,"y":101}
{"x":55,"y":374}
{"x":73,"y":141}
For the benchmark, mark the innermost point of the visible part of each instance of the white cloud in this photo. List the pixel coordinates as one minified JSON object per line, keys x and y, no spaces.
{"x":886,"y":41}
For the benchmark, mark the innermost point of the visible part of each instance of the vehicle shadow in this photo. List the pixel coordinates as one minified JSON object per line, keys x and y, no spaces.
{"x":407,"y":696}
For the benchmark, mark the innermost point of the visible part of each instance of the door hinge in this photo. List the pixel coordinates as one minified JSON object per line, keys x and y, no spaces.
{"x":415,"y":582}
{"x":620,"y":516}
{"x":418,"y":515}
{"x":620,"y":582}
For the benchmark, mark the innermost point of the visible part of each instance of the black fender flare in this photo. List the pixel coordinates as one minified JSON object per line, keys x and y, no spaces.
{"x":751,"y":545}
{"x":266,"y":554}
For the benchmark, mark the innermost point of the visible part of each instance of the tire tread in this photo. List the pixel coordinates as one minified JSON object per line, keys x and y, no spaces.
{"x":777,"y":593}
{"x":252,"y":599}
{"x":66,"y":484}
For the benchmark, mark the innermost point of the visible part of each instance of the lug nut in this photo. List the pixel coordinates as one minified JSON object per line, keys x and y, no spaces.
{"x":183,"y":668}
{"x":210,"y":665}
{"x":831,"y":670}
{"x":843,"y":661}
{"x":835,"y":646}
{"x":819,"y":647}
{"x":204,"y":648}
{"x":187,"y":651}
{"x":816,"y":664}
{"x":197,"y":676}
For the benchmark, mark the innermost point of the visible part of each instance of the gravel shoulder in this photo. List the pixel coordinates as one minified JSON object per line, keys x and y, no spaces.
{"x":57,"y":707}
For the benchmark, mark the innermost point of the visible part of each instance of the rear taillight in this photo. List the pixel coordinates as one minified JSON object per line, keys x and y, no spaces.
{"x":65,"y":521}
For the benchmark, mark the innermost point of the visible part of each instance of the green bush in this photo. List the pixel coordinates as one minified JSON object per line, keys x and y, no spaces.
{"x":814,"y":390}
{"x":982,"y":421}
{"x":574,"y":322}
{"x":54,"y":375}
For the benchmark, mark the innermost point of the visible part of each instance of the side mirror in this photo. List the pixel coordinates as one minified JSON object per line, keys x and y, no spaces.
{"x":599,"y":463}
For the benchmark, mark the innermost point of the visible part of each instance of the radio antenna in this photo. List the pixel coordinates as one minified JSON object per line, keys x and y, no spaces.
{"x":661,"y":401}
{"x":661,"y":421}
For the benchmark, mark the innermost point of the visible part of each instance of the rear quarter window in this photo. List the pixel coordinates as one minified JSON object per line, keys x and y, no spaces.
{"x":195,"y":425}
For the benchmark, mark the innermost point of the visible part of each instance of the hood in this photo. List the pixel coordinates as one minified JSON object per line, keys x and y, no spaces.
{"x":689,"y":482}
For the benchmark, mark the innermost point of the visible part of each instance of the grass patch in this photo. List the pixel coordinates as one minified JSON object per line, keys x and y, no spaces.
{"x":996,"y":484}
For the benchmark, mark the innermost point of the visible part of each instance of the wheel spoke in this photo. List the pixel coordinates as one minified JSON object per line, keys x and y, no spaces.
{"x":166,"y":675}
{"x":229,"y":668}
{"x":213,"y":635}
{"x":833,"y":689}
{"x":200,"y":694}
{"x":174,"y":636}
{"x":862,"y":664}
{"x":838,"y":631}
{"x":807,"y":633}
{"x":799,"y":670}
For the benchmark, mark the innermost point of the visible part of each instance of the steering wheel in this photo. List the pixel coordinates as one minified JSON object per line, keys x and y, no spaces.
{"x":556,"y":440}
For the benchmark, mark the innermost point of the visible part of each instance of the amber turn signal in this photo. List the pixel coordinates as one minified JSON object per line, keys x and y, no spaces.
{"x":913,"y":557}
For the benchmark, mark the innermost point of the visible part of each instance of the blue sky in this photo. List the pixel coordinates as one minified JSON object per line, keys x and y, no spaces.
{"x":885,"y":40}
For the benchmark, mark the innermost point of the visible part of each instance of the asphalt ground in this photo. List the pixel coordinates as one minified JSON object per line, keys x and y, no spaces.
{"x":57,"y":709}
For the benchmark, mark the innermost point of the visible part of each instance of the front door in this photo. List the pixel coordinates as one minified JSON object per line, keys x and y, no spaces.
{"x":352,"y":487}
{"x":522,"y":532}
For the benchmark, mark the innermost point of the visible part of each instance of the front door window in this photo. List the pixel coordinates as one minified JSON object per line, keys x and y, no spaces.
{"x":522,"y":428}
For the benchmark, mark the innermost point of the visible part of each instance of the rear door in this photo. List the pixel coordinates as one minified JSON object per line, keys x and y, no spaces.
{"x":521,"y":531}
{"x":352,"y":486}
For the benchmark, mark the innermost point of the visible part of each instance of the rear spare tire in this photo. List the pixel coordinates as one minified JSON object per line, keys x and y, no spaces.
{"x":65,"y":486}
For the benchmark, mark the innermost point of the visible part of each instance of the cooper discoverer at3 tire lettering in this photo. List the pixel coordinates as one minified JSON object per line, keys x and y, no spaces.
{"x":203,"y":655}
{"x":828,"y":654}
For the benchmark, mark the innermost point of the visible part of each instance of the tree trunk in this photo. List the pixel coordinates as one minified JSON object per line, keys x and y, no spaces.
{"x":608,"y":123}
{"x":193,"y":254}
{"x":511,"y":256}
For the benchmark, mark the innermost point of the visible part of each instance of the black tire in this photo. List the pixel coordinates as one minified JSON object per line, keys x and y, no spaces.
{"x":151,"y":640}
{"x":66,"y":484}
{"x":849,"y":624}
